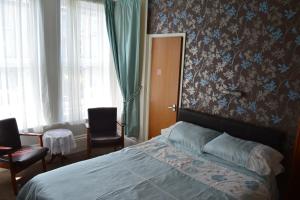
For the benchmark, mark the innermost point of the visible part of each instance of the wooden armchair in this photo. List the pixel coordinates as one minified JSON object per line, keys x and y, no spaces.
{"x":102,"y":129}
{"x":13,"y":155}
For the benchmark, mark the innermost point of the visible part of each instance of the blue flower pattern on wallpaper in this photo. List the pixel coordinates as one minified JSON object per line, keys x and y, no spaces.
{"x":263,"y":7}
{"x":289,"y":14}
{"x":249,"y":14}
{"x":252,"y":46}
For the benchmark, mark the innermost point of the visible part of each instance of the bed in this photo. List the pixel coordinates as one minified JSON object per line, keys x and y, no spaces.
{"x":157,"y":169}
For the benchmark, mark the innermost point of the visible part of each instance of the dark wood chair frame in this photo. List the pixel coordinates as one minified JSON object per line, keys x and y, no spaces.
{"x":11,"y":166}
{"x":89,"y":145}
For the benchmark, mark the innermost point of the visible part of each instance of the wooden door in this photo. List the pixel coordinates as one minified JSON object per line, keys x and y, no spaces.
{"x":165,"y":81}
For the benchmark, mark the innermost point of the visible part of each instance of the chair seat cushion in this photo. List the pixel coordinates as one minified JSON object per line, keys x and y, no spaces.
{"x":101,"y":140}
{"x":26,"y":155}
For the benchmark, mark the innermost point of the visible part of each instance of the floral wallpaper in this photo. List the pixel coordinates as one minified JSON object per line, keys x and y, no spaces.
{"x":252,"y":46}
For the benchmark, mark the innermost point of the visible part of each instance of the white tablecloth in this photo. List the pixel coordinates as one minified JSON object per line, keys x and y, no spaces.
{"x":59,"y":141}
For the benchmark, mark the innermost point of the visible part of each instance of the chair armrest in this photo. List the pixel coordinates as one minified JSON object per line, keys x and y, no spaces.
{"x":121,"y":124}
{"x":87,"y":126}
{"x":31,"y":134}
{"x":2,"y":148}
{"x":5,"y":150}
{"x":88,"y":139}
{"x":39,"y":135}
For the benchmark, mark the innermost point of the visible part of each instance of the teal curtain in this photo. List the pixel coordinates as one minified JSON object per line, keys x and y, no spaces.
{"x":123,"y":26}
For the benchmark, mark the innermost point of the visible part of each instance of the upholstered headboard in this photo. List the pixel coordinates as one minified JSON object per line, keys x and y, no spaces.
{"x":267,"y":136}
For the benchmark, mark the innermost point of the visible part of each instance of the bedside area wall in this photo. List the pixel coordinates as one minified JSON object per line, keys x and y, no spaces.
{"x":252,"y":47}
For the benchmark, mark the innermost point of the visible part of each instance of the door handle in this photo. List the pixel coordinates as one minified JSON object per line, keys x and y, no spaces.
{"x":173,"y":107}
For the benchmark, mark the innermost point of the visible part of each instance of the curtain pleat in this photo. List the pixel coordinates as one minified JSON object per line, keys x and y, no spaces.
{"x":23,"y":88}
{"x":123,"y":26}
{"x":86,"y":72}
{"x":86,"y":60}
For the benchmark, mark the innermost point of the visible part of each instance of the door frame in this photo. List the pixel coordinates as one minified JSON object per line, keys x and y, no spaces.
{"x":146,"y":78}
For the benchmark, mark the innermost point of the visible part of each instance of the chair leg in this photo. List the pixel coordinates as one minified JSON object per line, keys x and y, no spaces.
{"x":13,"y":181}
{"x":44,"y":164}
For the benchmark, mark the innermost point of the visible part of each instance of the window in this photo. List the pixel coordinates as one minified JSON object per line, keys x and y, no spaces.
{"x":28,"y":86}
{"x":88,"y":76}
{"x":21,"y":62}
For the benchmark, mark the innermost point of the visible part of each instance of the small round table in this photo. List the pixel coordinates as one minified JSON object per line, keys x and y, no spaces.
{"x":59,"y":141}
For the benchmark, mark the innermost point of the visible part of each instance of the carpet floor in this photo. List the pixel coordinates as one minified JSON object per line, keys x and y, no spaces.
{"x":6,"y":192}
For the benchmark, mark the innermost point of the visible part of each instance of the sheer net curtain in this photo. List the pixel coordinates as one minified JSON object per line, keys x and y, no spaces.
{"x":88,"y":76}
{"x":23,"y":92}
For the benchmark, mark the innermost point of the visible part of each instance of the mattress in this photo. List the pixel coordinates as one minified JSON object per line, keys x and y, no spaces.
{"x":150,"y":170}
